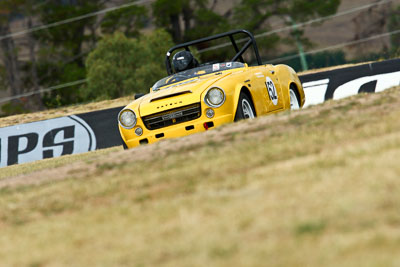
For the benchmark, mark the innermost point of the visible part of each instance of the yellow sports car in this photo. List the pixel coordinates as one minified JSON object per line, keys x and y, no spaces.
{"x":195,"y":98}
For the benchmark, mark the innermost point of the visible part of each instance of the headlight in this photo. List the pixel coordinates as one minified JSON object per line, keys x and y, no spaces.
{"x":215,"y":97}
{"x":127,"y":118}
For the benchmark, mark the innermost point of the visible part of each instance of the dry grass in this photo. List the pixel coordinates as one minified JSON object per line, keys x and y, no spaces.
{"x":316,"y":187}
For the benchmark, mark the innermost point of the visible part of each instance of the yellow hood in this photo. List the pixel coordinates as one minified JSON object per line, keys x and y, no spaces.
{"x":177,"y":95}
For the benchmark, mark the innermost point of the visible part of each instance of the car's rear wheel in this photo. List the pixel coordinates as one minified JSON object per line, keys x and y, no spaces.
{"x":294,"y":99}
{"x":245,"y":109}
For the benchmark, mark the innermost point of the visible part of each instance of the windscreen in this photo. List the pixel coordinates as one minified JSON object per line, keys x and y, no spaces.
{"x":196,"y":72}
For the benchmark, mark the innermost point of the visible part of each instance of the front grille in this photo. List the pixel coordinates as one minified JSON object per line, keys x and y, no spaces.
{"x":172,"y":117}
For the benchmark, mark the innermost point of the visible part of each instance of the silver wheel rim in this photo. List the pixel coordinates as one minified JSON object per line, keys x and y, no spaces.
{"x":294,"y":103}
{"x":247,"y":110}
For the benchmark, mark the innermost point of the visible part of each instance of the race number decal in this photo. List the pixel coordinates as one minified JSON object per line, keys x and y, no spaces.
{"x":273,"y":94}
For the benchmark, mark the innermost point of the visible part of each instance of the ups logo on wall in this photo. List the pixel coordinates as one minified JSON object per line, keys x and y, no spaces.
{"x":45,"y":139}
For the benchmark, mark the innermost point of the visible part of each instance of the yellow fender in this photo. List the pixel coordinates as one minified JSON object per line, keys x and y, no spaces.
{"x":238,"y":90}
{"x":287,"y":77}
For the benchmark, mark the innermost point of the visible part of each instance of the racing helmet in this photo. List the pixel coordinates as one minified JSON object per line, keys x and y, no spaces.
{"x":184,"y":60}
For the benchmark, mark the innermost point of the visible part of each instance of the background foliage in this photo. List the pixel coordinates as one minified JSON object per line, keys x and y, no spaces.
{"x":121,"y":66}
{"x":118,"y":55}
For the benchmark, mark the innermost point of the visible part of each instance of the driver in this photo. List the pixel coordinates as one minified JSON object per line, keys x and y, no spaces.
{"x":184,"y":60}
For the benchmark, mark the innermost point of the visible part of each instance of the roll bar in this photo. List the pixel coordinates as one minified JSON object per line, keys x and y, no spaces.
{"x":230,"y":34}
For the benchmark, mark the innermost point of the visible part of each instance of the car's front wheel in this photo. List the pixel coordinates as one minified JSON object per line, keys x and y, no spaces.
{"x":245,"y":109}
{"x":294,"y":99}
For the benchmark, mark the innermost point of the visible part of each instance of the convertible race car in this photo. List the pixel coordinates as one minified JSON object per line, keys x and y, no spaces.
{"x":198,"y":97}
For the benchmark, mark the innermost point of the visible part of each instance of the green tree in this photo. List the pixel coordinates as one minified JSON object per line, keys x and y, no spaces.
{"x":56,"y":55}
{"x":127,"y":20}
{"x":9,"y":52}
{"x":198,"y":17}
{"x":21,"y":76}
{"x":120,"y":66}
{"x":69,"y":44}
{"x":254,"y":14}
{"x":192,"y":19}
{"x":63,"y":48}
{"x":257,"y":15}
{"x":394,"y":24}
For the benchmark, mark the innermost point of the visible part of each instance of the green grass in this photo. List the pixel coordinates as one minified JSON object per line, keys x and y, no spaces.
{"x":316,"y":187}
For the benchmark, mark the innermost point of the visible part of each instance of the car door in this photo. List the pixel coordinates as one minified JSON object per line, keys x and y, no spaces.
{"x":267,"y":89}
{"x":272,"y":89}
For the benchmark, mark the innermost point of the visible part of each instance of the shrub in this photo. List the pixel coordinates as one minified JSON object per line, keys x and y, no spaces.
{"x":120,"y":66}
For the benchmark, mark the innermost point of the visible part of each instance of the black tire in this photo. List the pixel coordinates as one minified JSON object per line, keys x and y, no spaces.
{"x":245,"y":108}
{"x":123,"y":144}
